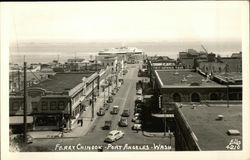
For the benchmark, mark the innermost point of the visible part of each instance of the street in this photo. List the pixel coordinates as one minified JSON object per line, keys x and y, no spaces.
{"x":125,"y":98}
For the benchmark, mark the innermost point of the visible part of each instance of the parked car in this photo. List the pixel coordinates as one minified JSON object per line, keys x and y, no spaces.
{"x":137,"y":121}
{"x":110,"y":99}
{"x":107,"y":125}
{"x":136,"y":127}
{"x":101,"y":112}
{"x":138,"y":110}
{"x":114,"y":136}
{"x":115,"y":110}
{"x":106,"y":106}
{"x":123,"y":122}
{"x":113,"y":92}
{"x":134,"y":119}
{"x":125,"y":113}
{"x":139,"y":92}
{"x":139,"y":98}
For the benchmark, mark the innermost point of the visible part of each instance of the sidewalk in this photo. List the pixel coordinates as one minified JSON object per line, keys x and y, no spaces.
{"x":77,"y":129}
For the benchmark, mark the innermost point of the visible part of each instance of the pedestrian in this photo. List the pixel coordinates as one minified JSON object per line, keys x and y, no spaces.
{"x":137,"y":130}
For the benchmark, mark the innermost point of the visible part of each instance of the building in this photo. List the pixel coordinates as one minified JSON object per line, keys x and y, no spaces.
{"x":201,"y":128}
{"x":187,"y":58}
{"x":56,"y":102}
{"x":188,"y":86}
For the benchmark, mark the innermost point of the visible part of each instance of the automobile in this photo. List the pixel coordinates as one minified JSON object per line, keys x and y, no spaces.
{"x":101,"y":112}
{"x":106,"y":106}
{"x":115,"y":110}
{"x":139,"y":105}
{"x":139,"y":92}
{"x":137,"y":114}
{"x":134,"y":119}
{"x":123,"y":122}
{"x":114,"y":136}
{"x":113,"y":92}
{"x":107,"y":125}
{"x":138,"y":110}
{"x":137,"y":121}
{"x":138,"y":99}
{"x":125,"y":113}
{"x":136,"y":127}
{"x":110,"y":99}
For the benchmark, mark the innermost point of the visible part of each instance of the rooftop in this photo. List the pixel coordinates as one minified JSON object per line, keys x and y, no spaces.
{"x":62,"y":82}
{"x":231,"y":76}
{"x":183,"y":78}
{"x":212,"y":133}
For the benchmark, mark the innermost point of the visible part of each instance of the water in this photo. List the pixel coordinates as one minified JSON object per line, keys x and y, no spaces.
{"x":47,"y":52}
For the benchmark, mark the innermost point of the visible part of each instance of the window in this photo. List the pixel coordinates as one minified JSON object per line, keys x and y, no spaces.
{"x":34,"y":106}
{"x":61,"y":105}
{"x":15,"y":106}
{"x":53,"y":105}
{"x":44,"y":106}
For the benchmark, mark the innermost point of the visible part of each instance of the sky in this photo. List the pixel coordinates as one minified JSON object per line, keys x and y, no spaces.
{"x":126,"y":21}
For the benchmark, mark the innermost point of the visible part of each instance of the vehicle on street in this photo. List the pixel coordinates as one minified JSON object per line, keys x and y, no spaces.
{"x":139,"y":92}
{"x":138,"y":110}
{"x":136,"y":127}
{"x":123,"y":122}
{"x":113,"y":92}
{"x":114,"y":136}
{"x":138,"y":99}
{"x":106,"y":106}
{"x":101,"y":112}
{"x":125,"y":113}
{"x":115,"y":110}
{"x":107,"y":125}
{"x":110,"y":99}
{"x":134,"y":119}
{"x":137,"y":121}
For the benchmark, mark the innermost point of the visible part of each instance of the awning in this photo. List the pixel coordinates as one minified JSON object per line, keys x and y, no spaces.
{"x":163,"y":115}
{"x":19,"y":119}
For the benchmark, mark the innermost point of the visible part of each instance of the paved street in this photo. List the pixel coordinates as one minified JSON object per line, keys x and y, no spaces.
{"x":125,"y":98}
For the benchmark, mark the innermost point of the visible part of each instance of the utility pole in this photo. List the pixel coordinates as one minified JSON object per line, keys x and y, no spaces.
{"x":93,"y":101}
{"x":18,"y":79}
{"x":227,"y":93}
{"x":25,"y":106}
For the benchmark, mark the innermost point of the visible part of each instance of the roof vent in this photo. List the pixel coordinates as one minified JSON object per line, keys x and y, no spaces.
{"x":219,"y":117}
{"x":233,"y":132}
{"x":190,"y":75}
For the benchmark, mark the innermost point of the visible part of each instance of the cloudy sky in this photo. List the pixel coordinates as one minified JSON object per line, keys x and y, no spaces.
{"x":126,"y":21}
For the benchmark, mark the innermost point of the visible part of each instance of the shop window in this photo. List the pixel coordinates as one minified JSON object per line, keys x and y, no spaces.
{"x":61,"y":105}
{"x":44,"y":106}
{"x":53,"y":105}
{"x":34,"y":106}
{"x":15,"y":106}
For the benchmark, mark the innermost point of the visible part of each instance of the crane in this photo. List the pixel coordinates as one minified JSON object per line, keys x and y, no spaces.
{"x":204,"y":49}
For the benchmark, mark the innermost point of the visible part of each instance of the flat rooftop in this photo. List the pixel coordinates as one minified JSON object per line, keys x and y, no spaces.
{"x":62,"y":82}
{"x":211,"y":133}
{"x":183,"y":78}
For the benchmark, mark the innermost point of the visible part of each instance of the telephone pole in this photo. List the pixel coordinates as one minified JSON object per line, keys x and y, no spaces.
{"x":25,"y":106}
